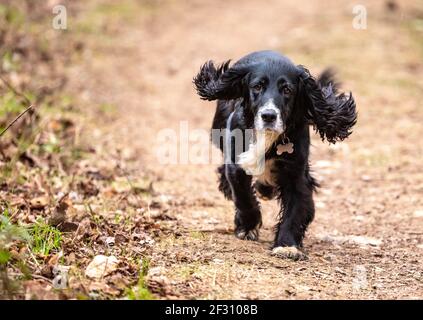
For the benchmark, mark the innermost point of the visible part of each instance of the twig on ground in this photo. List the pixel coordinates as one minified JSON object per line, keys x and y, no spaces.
{"x":34,"y":258}
{"x":16,"y":119}
{"x":34,"y":276}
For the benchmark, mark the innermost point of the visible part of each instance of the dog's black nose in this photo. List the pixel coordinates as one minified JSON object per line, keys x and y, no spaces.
{"x":269,"y":116}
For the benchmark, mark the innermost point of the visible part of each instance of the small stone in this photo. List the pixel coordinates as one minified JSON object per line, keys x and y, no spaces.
{"x":218,"y":261}
{"x":101,"y":266}
{"x":110,"y":241}
{"x":358,"y":240}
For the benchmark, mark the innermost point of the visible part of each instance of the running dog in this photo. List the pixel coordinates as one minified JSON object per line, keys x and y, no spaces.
{"x":267,"y":94}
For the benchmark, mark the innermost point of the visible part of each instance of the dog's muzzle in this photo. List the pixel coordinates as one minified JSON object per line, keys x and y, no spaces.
{"x":269,"y":117}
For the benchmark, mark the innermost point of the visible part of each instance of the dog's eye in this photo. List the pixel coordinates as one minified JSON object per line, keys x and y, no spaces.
{"x":258,"y":87}
{"x":286,"y":90}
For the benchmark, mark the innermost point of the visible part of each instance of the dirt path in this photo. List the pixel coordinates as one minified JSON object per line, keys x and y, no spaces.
{"x":366,"y":240}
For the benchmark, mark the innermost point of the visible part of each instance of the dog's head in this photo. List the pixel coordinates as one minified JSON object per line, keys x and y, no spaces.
{"x":278,"y":95}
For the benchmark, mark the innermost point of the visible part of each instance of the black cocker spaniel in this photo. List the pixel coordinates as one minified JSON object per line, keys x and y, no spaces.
{"x":268,"y":103}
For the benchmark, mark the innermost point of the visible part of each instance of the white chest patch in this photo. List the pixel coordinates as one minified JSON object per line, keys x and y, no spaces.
{"x":253,"y":160}
{"x":267,"y":178}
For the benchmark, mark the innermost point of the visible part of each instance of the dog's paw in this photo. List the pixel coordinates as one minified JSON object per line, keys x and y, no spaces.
{"x":251,"y":235}
{"x":292,"y":253}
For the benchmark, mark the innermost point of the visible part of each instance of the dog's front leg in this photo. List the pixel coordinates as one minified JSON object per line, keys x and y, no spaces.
{"x":297,"y":211}
{"x":247,"y":208}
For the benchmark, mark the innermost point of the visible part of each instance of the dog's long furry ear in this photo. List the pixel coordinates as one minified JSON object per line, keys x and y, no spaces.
{"x":333,"y":114}
{"x":222,"y":82}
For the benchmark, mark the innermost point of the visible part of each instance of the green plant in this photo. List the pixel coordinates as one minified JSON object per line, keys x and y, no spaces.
{"x":45,"y":238}
{"x":11,"y":104}
{"x":141,"y":291}
{"x":10,"y":234}
{"x":8,"y":63}
{"x":11,"y":15}
{"x":52,"y":145}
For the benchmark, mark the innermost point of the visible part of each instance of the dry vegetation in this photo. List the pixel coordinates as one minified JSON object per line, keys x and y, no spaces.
{"x":88,"y":213}
{"x":58,"y":209}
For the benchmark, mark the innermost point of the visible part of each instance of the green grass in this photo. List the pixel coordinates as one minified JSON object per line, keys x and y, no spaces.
{"x":45,"y":238}
{"x":141,"y":291}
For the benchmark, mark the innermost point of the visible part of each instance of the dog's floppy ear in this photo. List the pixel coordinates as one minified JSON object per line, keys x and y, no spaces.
{"x":332,"y":114}
{"x":223,"y":82}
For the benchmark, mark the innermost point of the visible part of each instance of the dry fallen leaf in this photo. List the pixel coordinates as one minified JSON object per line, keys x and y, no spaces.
{"x":101,"y":266}
{"x":39,"y":202}
{"x":37,"y":290}
{"x":103,"y":288}
{"x":157,"y":282}
{"x":87,"y":188}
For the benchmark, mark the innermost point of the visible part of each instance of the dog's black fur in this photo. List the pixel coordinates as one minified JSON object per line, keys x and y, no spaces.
{"x":302,"y":100}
